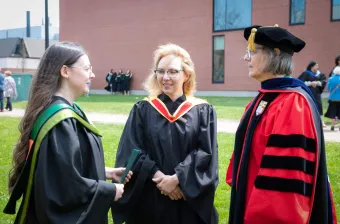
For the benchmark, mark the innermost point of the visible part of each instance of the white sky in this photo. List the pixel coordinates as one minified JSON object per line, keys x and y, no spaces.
{"x":13,"y":12}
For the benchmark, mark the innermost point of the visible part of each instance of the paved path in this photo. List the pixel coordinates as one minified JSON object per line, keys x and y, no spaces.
{"x":228,"y":126}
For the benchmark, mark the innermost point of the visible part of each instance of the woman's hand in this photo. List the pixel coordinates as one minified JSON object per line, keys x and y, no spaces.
{"x":158,"y":174}
{"x":115,"y":174}
{"x":177,"y":194}
{"x":119,"y":191}
{"x":167,"y":183}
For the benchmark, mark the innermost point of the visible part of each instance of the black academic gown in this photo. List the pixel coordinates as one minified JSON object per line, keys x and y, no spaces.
{"x":187,"y":147}
{"x":331,"y":72}
{"x":119,"y":83}
{"x":127,"y":80}
{"x":316,"y":91}
{"x":113,"y":82}
{"x":69,"y":184}
{"x":108,"y":80}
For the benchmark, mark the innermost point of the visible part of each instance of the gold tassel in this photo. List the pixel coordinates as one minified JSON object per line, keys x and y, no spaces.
{"x":251,"y":40}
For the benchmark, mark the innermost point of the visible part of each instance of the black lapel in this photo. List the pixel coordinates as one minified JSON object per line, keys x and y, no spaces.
{"x":242,"y":148}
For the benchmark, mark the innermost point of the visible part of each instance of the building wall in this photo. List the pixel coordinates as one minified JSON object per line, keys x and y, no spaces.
{"x":19,"y":65}
{"x":123,"y":35}
{"x":22,"y":64}
{"x":319,"y":33}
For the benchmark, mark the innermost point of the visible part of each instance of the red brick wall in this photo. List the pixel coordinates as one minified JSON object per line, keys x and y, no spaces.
{"x":123,"y":35}
{"x":320,"y":34}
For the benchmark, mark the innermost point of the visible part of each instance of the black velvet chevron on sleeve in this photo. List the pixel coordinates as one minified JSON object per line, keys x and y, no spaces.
{"x":292,"y":141}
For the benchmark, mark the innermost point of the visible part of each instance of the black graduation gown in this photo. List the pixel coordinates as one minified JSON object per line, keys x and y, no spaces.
{"x":108,"y":79}
{"x":316,"y":91}
{"x":113,"y":82}
{"x":69,"y":184}
{"x":331,"y":72}
{"x":187,"y":147}
{"x":127,"y":80}
{"x":119,"y":82}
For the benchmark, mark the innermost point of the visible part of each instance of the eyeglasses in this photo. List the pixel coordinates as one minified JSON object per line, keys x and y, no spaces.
{"x":250,"y":53}
{"x":172,"y":73}
{"x":86,"y":69}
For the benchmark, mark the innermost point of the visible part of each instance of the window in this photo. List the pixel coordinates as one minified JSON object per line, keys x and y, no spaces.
{"x":218,"y":59}
{"x":297,"y":12}
{"x":17,"y":51}
{"x":231,"y":14}
{"x":335,"y":10}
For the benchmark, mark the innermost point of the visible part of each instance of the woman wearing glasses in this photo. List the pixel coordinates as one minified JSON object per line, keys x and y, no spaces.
{"x":61,"y":173}
{"x":176,"y":175}
{"x":278,"y":171}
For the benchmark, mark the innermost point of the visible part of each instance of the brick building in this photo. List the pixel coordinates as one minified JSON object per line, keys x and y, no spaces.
{"x":123,"y":35}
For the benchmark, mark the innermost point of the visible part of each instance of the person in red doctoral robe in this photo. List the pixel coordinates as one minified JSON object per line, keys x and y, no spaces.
{"x":278,"y":171}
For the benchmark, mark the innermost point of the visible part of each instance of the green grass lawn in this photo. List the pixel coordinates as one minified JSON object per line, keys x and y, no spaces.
{"x":226,"y":107}
{"x":111,"y":133}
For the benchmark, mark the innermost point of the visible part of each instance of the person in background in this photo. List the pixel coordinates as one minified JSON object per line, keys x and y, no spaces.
{"x":333,"y":111}
{"x":113,"y":83}
{"x":337,"y":63}
{"x":2,"y":80}
{"x":278,"y":170}
{"x":10,"y":90}
{"x":119,"y":82}
{"x":108,"y":81}
{"x":316,"y":83}
{"x":127,"y":81}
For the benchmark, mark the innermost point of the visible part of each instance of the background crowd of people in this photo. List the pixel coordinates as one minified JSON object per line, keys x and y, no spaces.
{"x":8,"y":90}
{"x":317,"y":81}
{"x":118,"y":82}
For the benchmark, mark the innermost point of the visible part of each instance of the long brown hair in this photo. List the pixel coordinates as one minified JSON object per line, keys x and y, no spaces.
{"x":44,"y":85}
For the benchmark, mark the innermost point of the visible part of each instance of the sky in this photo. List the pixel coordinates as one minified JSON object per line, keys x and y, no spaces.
{"x":13,"y":12}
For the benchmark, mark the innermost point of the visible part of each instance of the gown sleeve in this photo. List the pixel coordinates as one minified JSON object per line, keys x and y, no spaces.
{"x":198,"y":172}
{"x":286,"y":179}
{"x":61,"y":193}
{"x":144,"y":168}
{"x":133,"y":138}
{"x":323,"y":81}
{"x":304,"y":77}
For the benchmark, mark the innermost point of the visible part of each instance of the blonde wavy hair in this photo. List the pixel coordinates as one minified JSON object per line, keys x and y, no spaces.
{"x":189,"y":87}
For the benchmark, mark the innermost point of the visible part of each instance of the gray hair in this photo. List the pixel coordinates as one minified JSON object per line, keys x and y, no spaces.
{"x":281,"y":64}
